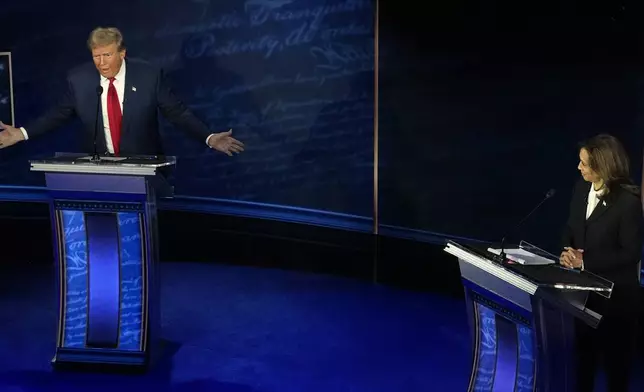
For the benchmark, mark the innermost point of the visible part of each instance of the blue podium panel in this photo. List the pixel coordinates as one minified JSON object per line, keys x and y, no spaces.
{"x":504,"y":341}
{"x":103,"y":281}
{"x":132,"y":278}
{"x":103,"y":284}
{"x":526,"y":363}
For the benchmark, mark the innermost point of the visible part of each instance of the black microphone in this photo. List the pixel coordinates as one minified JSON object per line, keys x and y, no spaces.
{"x":99,"y":91}
{"x":501,"y":257}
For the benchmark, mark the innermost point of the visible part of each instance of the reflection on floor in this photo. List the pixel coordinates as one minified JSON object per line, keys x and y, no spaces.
{"x":238,"y":329}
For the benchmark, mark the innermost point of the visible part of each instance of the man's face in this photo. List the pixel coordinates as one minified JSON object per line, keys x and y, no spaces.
{"x":108,"y":59}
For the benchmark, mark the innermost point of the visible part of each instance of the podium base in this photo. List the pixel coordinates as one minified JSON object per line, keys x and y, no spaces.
{"x":99,"y":360}
{"x":75,"y":367}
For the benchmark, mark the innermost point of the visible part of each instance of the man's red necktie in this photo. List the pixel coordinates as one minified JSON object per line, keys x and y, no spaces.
{"x":114,"y":115}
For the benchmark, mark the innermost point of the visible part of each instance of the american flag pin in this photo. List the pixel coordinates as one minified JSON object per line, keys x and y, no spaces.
{"x":133,"y":88}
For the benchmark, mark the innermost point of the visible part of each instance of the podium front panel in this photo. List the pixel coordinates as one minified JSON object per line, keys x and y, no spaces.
{"x":95,"y":314}
{"x":96,"y":183}
{"x":105,"y":257}
{"x":503,"y":342}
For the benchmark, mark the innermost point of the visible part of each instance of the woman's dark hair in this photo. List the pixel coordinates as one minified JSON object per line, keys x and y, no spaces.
{"x":608,"y":158}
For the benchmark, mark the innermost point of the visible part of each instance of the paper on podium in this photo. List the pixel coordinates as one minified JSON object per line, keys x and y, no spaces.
{"x":523,"y":257}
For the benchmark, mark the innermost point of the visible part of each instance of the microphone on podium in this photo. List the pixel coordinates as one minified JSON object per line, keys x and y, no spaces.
{"x":99,"y":92}
{"x":500,"y":258}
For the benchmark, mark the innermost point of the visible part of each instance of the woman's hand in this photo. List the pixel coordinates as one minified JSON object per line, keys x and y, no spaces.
{"x":571,"y":258}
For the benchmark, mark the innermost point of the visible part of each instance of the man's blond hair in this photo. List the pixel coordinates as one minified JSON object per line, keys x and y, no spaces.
{"x":103,"y":36}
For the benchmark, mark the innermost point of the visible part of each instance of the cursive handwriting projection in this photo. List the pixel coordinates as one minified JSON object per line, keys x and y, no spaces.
{"x":293,"y":78}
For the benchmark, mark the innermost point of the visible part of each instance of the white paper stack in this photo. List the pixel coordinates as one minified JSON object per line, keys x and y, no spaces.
{"x":522,"y":256}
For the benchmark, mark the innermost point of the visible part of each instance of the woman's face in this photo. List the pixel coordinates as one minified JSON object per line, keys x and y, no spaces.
{"x":584,"y":167}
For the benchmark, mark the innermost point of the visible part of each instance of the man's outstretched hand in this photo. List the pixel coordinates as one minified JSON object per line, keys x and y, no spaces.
{"x":224,"y":142}
{"x":10,"y":135}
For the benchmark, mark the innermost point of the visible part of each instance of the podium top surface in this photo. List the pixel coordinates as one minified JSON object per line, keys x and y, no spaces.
{"x":140,"y":165}
{"x":531,"y":277}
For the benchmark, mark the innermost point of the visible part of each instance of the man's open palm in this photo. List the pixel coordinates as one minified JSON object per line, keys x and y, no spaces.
{"x":10,"y":135}
{"x":224,"y":142}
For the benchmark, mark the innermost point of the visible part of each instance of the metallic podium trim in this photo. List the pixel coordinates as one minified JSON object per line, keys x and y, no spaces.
{"x":144,"y":287}
{"x":477,"y":341}
{"x":376,"y":119}
{"x":62,"y":276}
{"x":84,"y":168}
{"x":493,"y":269}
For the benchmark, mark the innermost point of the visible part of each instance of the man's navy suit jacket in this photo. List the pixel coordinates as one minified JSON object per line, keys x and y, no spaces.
{"x":146,"y":93}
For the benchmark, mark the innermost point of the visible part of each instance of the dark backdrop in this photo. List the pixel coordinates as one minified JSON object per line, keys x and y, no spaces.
{"x":481,"y":102}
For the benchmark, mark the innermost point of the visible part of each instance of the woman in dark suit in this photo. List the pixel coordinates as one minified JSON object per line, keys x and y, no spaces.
{"x":603,"y":235}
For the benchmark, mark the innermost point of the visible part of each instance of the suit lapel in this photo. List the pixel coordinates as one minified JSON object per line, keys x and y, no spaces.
{"x":599,"y":210}
{"x":101,"y":143}
{"x":128,"y":97}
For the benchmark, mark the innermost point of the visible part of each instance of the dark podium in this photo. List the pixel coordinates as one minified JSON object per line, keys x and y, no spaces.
{"x":105,"y":240}
{"x":522,"y":319}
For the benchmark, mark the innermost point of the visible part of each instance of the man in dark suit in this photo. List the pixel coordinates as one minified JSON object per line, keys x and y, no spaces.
{"x":131,"y":93}
{"x":603,"y":235}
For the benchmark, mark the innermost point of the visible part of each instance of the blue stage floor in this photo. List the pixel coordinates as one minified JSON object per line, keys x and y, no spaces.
{"x":237,"y":329}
